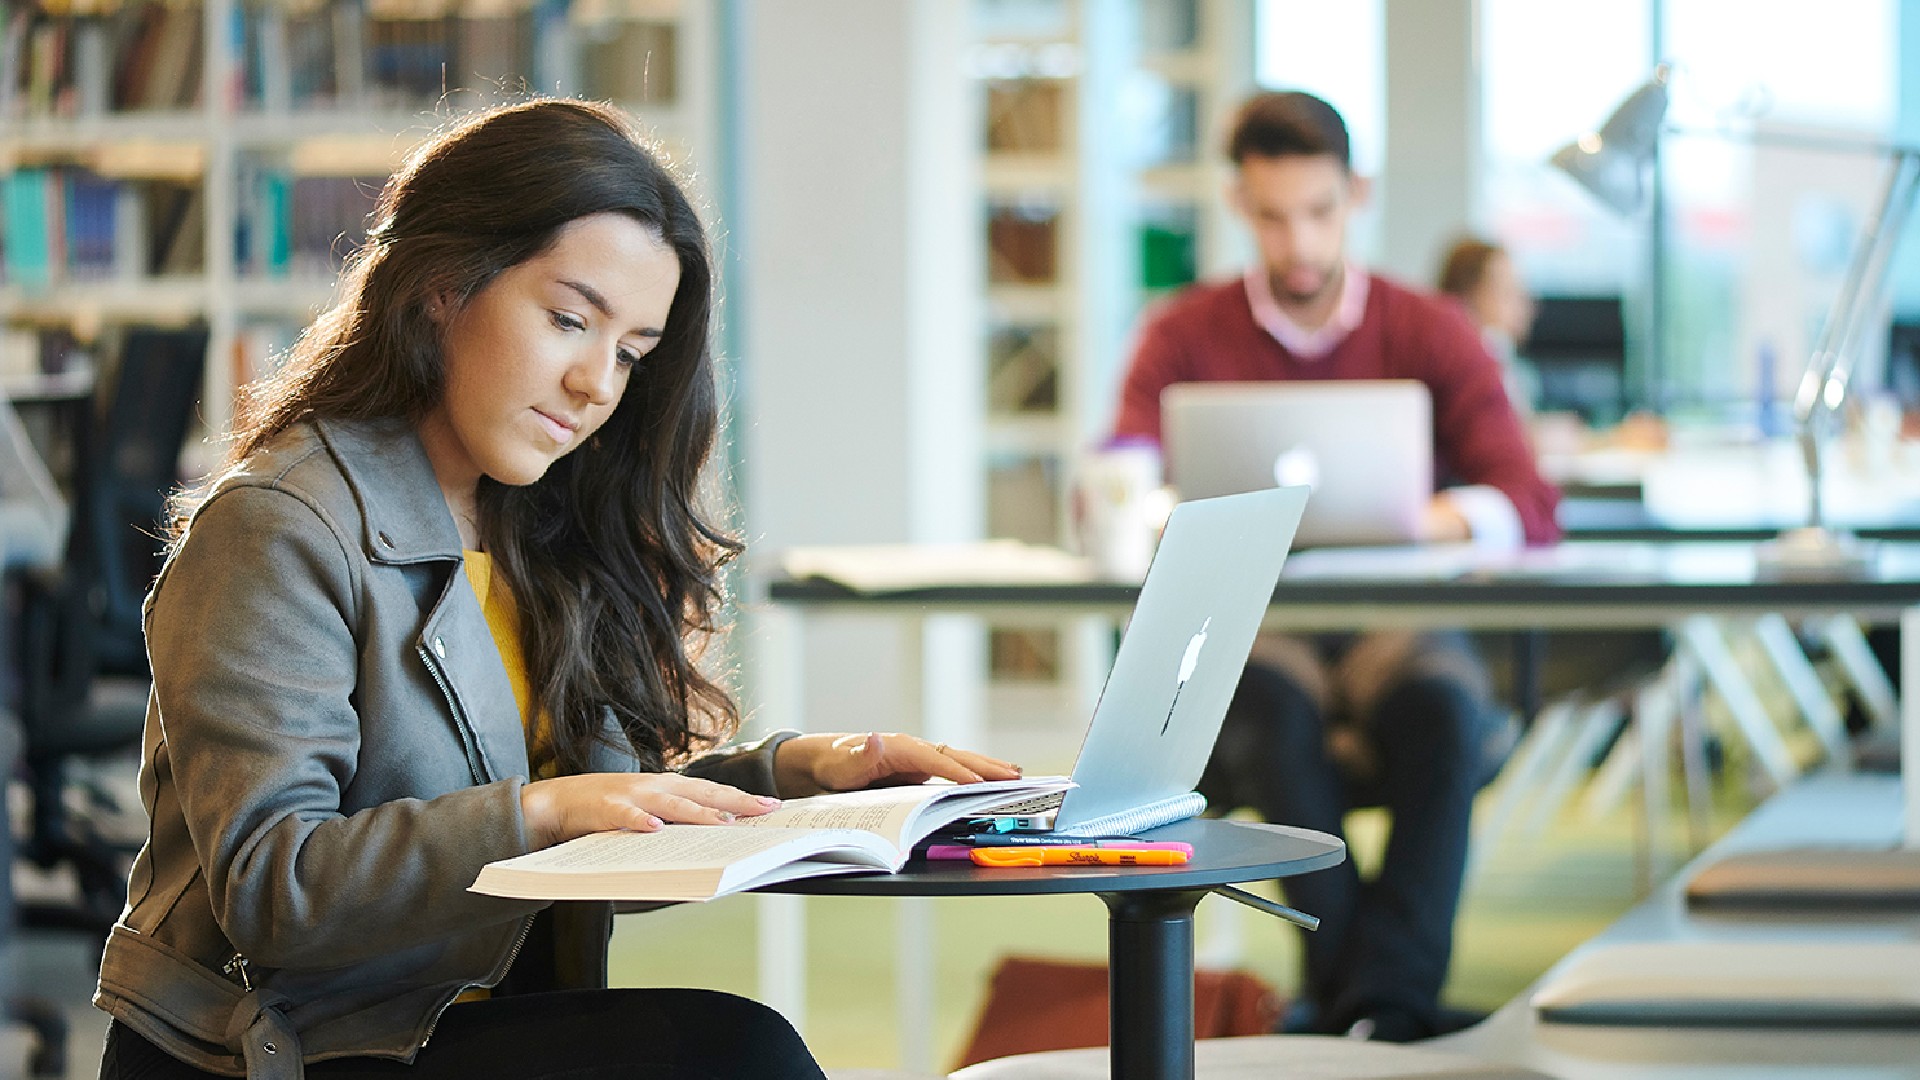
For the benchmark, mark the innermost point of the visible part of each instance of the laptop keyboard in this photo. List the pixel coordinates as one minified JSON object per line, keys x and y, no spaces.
{"x":1038,"y":804}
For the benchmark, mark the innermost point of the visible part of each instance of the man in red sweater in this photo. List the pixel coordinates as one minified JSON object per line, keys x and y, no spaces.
{"x":1403,"y":720}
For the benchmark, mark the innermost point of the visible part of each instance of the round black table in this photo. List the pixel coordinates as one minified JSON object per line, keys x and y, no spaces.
{"x":1149,"y":920}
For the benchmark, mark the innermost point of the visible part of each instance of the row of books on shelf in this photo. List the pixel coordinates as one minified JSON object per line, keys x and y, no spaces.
{"x":67,"y":224}
{"x":63,"y":224}
{"x":137,"y":56}
{"x":347,"y":52}
{"x":334,"y":54}
{"x":301,"y":226}
{"x":1161,"y":25}
{"x":1024,"y":237}
{"x":1158,"y":123}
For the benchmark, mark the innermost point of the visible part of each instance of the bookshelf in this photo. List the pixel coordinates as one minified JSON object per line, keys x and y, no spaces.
{"x":1101,"y":193}
{"x":213,"y":161}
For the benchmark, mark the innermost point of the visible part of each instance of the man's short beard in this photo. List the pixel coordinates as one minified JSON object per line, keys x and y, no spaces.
{"x":1329,"y":282}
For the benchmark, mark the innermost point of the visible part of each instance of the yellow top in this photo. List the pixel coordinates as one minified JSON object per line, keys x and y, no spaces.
{"x":503,"y":620}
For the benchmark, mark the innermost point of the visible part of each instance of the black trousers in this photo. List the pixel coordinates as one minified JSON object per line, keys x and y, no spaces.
{"x":566,"y":1035}
{"x":1322,"y":726}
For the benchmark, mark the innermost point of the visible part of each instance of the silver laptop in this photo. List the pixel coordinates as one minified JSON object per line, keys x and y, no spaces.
{"x":1178,"y":664}
{"x":1365,"y":447}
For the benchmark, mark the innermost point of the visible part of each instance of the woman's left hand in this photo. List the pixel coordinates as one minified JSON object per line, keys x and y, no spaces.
{"x":811,"y":764}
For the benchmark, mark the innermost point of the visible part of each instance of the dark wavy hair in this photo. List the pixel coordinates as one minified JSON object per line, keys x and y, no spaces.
{"x":613,"y":564}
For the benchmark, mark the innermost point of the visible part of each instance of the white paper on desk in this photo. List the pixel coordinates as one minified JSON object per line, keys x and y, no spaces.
{"x":1609,"y":559}
{"x":883,"y":567}
{"x":1433,"y":562}
{"x":1614,"y":465}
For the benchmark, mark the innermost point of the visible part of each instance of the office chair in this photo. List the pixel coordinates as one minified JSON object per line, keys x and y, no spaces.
{"x":84,"y":673}
{"x":43,"y":1019}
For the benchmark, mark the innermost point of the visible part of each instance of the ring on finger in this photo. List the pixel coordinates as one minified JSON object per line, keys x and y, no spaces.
{"x":941,"y":749}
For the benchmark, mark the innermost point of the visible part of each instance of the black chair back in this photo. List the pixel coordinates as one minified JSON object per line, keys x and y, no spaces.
{"x":124,"y":473}
{"x":126,"y":461}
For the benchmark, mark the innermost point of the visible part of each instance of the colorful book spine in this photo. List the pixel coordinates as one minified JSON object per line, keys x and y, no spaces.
{"x":28,"y":237}
{"x":90,"y":201}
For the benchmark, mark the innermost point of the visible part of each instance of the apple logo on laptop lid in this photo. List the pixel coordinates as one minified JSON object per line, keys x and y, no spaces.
{"x":1188,"y":662}
{"x":1296,"y":466}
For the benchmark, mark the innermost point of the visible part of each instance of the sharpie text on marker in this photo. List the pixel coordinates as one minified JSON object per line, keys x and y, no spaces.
{"x":1075,"y":856}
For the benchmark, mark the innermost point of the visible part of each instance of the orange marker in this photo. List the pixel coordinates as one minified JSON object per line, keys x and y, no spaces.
{"x":1075,"y":856}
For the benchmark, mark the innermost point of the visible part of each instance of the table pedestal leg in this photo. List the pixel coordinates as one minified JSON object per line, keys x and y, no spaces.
{"x":1150,"y":983}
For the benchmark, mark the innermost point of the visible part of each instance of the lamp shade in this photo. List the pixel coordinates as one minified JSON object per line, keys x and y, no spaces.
{"x":1611,"y":163}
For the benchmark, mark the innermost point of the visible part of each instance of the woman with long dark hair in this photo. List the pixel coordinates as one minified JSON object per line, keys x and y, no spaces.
{"x":445,"y":603}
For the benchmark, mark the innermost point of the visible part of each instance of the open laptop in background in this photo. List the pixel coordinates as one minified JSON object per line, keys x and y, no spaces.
{"x":1365,"y":447}
{"x":1178,"y":664}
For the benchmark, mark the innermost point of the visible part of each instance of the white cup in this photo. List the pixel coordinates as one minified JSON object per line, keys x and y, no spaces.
{"x":1121,"y":509}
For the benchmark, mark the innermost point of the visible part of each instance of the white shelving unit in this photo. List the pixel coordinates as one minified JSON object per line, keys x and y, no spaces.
{"x":1137,"y":92}
{"x":1106,"y":116}
{"x":205,"y":145}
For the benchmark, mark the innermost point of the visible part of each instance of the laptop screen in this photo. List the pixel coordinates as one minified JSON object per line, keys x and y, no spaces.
{"x":1365,"y":447}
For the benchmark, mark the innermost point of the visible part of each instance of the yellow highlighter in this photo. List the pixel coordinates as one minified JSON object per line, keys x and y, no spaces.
{"x":1075,"y":856}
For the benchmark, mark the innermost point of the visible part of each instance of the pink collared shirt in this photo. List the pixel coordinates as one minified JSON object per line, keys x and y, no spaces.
{"x":1304,"y":343}
{"x":1491,"y":516}
{"x":1208,"y":333}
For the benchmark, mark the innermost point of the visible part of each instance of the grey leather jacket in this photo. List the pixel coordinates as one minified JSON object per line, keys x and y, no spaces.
{"x":332,"y":752}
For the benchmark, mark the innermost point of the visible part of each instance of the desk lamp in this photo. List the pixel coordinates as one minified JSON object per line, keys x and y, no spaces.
{"x":1611,"y":164}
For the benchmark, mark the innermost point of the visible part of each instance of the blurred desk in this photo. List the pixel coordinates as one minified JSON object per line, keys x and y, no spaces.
{"x":1684,"y":587}
{"x":1574,"y":585}
{"x":1587,"y":517}
{"x":1577,"y":585}
{"x":1735,"y":491}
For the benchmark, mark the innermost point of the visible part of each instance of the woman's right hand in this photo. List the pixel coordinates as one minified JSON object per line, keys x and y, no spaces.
{"x":568,"y":806}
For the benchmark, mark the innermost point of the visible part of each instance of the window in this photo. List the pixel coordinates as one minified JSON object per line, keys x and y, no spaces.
{"x":1538,"y":91}
{"x":1337,"y":51}
{"x":1758,"y":229}
{"x":1753,"y":235}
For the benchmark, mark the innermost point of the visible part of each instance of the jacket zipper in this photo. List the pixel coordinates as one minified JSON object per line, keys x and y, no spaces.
{"x":526,"y":928}
{"x":467,"y":744}
{"x":477,"y":766}
{"x":236,"y":969}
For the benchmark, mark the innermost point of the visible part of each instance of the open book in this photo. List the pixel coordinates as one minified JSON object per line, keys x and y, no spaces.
{"x":840,"y":833}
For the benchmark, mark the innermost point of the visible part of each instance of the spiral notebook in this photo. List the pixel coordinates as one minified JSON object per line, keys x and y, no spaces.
{"x":1178,"y":663}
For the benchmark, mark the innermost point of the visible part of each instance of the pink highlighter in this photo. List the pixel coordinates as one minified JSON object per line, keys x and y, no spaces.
{"x":964,"y":852}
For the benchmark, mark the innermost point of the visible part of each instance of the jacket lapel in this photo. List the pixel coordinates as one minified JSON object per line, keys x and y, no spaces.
{"x":405,"y":523}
